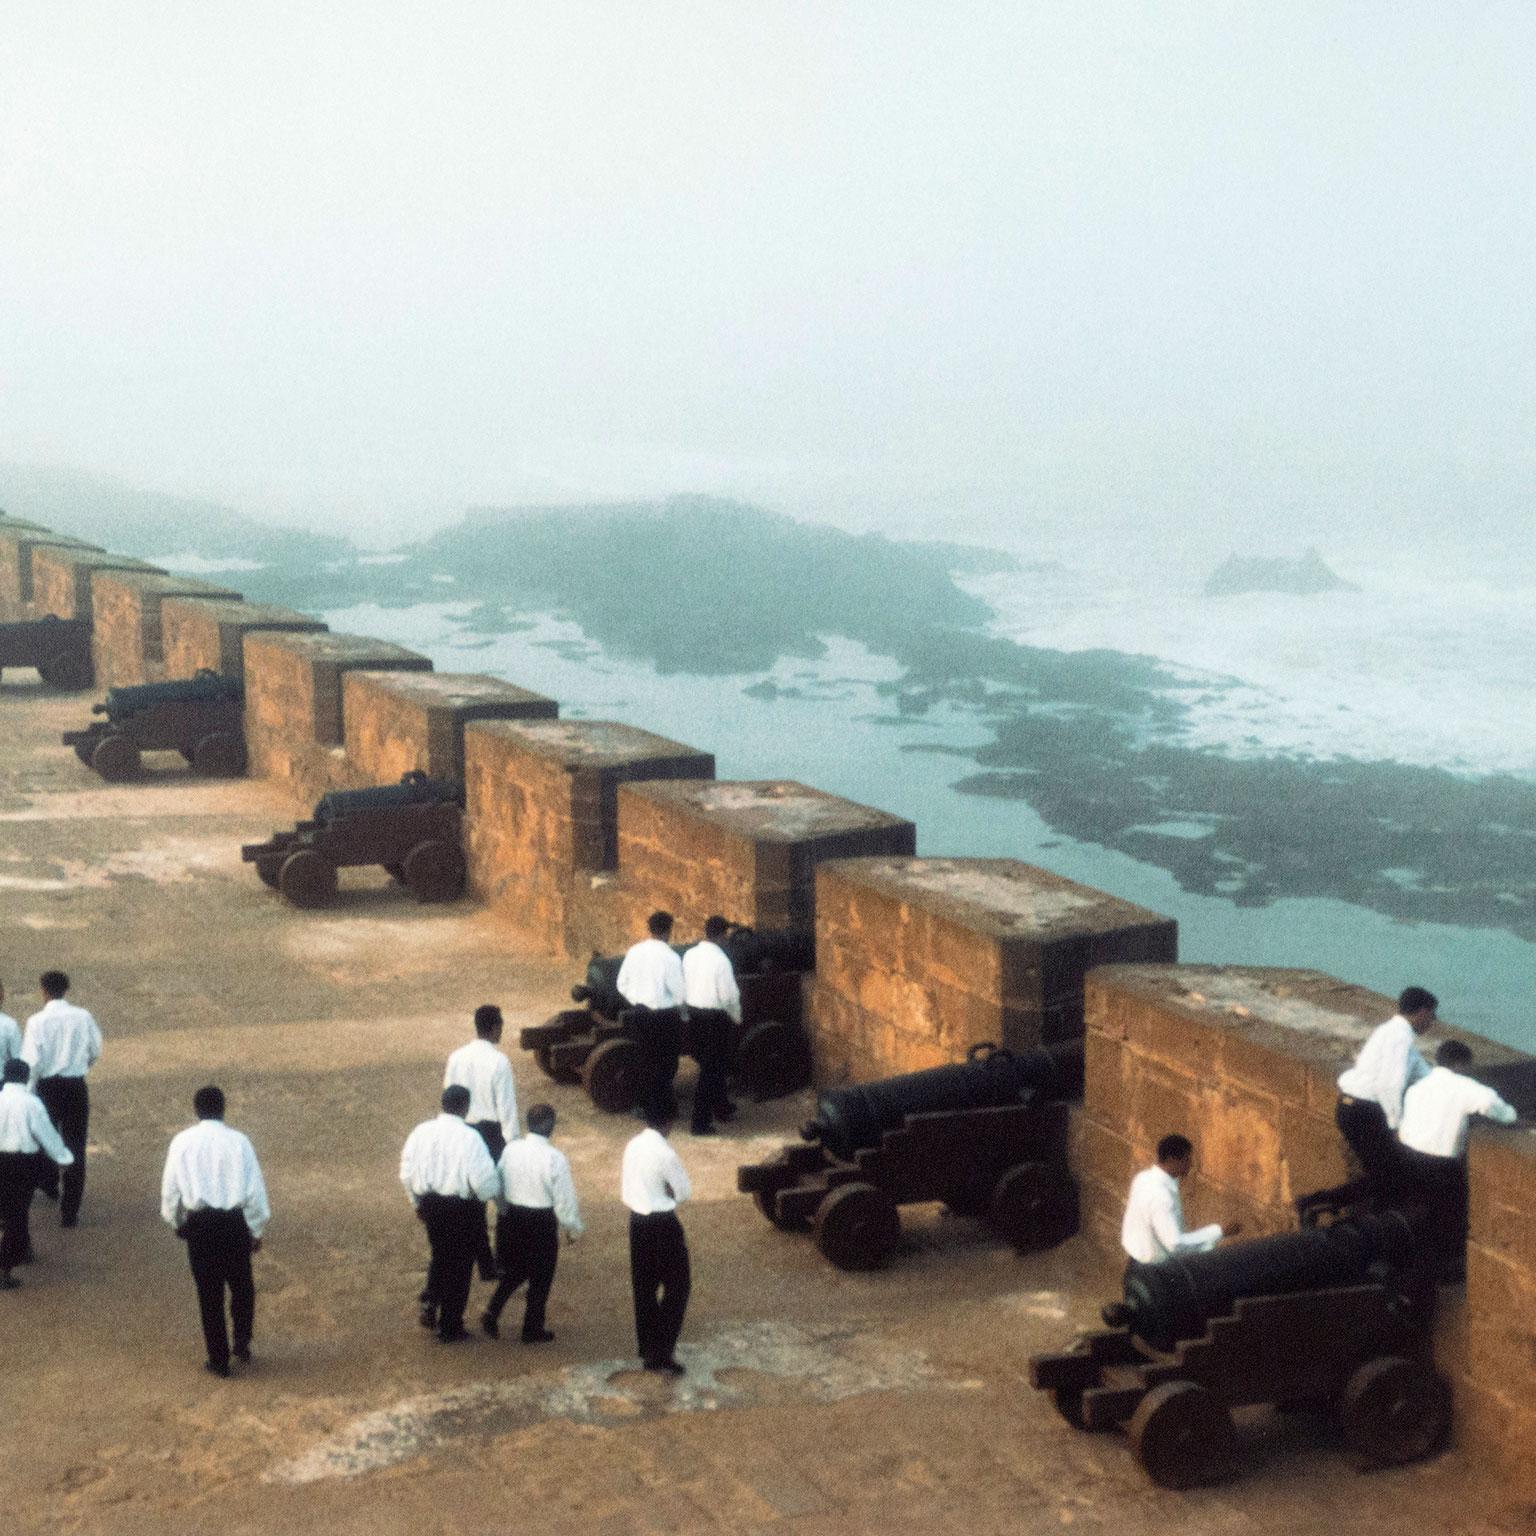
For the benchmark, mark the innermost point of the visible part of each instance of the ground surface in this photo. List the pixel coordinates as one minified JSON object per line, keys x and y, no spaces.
{"x":815,"y":1401}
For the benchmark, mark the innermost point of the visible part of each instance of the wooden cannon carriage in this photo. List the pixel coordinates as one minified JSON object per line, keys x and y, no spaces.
{"x":201,"y":717}
{"x":60,"y":649}
{"x":1333,"y":1319}
{"x":412,"y":828}
{"x":986,"y":1137}
{"x":601,"y":1045}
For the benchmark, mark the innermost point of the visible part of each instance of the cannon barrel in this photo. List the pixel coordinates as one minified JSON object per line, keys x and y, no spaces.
{"x":1175,"y":1299}
{"x":848,"y":1119}
{"x":206,"y":687}
{"x":414,"y":788}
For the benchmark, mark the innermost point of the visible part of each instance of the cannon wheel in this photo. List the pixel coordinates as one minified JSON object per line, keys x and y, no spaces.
{"x":857,"y":1226}
{"x":219,"y":755}
{"x":270,"y":869}
{"x":115,"y":758}
{"x":307,"y":878}
{"x":1394,"y":1410}
{"x":67,"y":671}
{"x":1182,"y":1435}
{"x":1034,"y":1206}
{"x":545,"y":1056}
{"x":434,"y":871}
{"x":84,"y":749}
{"x":616,"y":1074}
{"x":773,"y":1059}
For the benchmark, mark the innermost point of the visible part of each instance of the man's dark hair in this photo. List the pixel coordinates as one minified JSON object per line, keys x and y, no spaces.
{"x":456,"y":1100}
{"x":1174,"y":1146}
{"x":659,"y":1114}
{"x":487,"y":1020}
{"x":208,"y":1103}
{"x":1453,"y":1053}
{"x":659,"y":924}
{"x":1416,"y":1000}
{"x":541,"y":1119}
{"x":54,"y":983}
{"x":16,"y":1070}
{"x":716,"y":927}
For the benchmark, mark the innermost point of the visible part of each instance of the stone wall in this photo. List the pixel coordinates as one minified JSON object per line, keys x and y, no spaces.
{"x":17,"y":545}
{"x":128,"y":642}
{"x":198,"y":634}
{"x":61,"y":577}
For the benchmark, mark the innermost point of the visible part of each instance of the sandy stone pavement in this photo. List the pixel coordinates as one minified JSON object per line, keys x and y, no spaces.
{"x":815,"y":1402}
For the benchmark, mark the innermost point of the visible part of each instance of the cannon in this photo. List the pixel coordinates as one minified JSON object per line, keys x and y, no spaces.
{"x":201,"y":717}
{"x":60,"y":649}
{"x":412,"y":828}
{"x":1334,"y":1318}
{"x":601,"y":1045}
{"x":986,"y":1136}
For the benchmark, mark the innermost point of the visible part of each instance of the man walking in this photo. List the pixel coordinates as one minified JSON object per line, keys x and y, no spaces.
{"x":212,"y":1195}
{"x":61,"y":1044}
{"x":653,"y":1184}
{"x":485,"y":1071}
{"x":449,"y":1176}
{"x":651,"y":978}
{"x":537,"y":1200}
{"x":713,"y":1001}
{"x":27,"y":1139}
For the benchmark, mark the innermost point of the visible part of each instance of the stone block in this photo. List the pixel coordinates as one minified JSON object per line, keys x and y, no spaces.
{"x":1106,"y":1079}
{"x":197,"y":633}
{"x":17,"y":546}
{"x":61,"y":577}
{"x":127,"y":630}
{"x":397,"y":722}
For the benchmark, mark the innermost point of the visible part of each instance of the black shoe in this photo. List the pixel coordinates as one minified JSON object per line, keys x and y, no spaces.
{"x":453,"y":1335}
{"x":242,"y":1353}
{"x":9,"y":1282}
{"x":543,"y":1336}
{"x":214,"y":1368}
{"x":671,"y":1367}
{"x":69,"y":1221}
{"x":428,"y":1315}
{"x":28,"y":1257}
{"x":489,"y":1271}
{"x":489,"y":1326}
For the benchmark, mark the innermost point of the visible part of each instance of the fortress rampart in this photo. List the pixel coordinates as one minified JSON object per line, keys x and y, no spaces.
{"x":577,"y":828}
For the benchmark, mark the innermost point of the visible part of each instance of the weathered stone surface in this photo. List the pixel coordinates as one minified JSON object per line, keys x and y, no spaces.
{"x":198,"y":633}
{"x":16,"y":550}
{"x":397,"y":722}
{"x":747,"y":850}
{"x":61,"y":577}
{"x":127,"y":630}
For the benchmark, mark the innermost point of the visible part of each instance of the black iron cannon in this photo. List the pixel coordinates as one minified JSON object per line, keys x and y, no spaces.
{"x":413,"y":828}
{"x":60,"y":649}
{"x":601,"y":1045}
{"x":1335,"y":1318}
{"x":986,"y":1136}
{"x":201,"y":717}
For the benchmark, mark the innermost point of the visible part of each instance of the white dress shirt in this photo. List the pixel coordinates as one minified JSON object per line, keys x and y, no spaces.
{"x":25,"y":1126}
{"x":61,"y":1041}
{"x":446,"y":1156}
{"x":211,"y":1167}
{"x":486,"y":1072}
{"x":653,"y":1177}
{"x":1436,"y":1110}
{"x":651,"y":976}
{"x":1388,"y":1063}
{"x":10,"y":1038}
{"x":536,"y":1175}
{"x":709,"y":980}
{"x":1153,"y":1227}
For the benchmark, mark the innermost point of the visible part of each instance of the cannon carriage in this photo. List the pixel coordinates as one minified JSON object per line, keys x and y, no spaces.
{"x":986,"y":1137}
{"x":1334,"y":1319}
{"x":201,"y":717}
{"x":60,"y":650}
{"x":602,"y":1045}
{"x":413,"y":829}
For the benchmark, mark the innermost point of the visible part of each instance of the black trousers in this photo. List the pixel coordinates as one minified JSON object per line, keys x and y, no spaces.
{"x":710,"y":1035}
{"x":495,"y":1144}
{"x":69,"y":1107}
{"x":455,"y":1224}
{"x":219,"y":1251}
{"x":660,"y":1033}
{"x":659,"y":1272}
{"x":19,"y":1175}
{"x":1375,"y":1151}
{"x":527,"y":1249}
{"x":1440,"y":1184}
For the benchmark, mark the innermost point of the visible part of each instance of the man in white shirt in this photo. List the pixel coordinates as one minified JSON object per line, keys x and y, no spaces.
{"x":10,"y":1033}
{"x":713,"y":1002}
{"x":1152,"y":1229}
{"x":1436,"y":1110}
{"x":653,"y":1183}
{"x":650,"y":981}
{"x":486,"y":1072}
{"x":212,"y":1196}
{"x":449,"y":1176}
{"x":27,"y":1139}
{"x":537,"y":1199}
{"x":61,"y":1044}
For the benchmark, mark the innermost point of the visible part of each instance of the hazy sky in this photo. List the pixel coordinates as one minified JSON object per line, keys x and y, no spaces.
{"x":351,"y":260}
